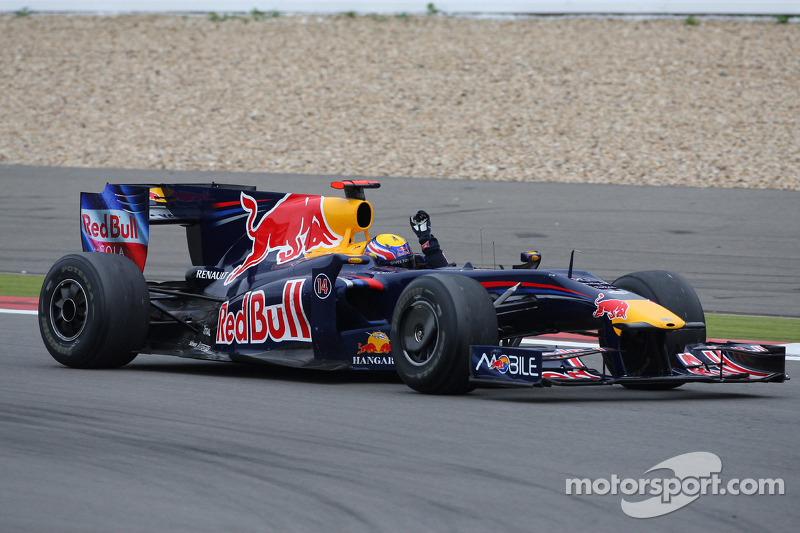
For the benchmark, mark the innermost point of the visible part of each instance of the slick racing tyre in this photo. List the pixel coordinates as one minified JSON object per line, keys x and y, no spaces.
{"x":94,"y":310}
{"x":436,"y":319}
{"x":672,"y":291}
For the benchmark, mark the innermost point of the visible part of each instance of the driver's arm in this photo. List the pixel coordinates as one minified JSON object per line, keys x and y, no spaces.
{"x":421,"y":224}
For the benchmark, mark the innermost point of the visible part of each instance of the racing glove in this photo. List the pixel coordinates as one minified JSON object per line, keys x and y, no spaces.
{"x":421,"y":224}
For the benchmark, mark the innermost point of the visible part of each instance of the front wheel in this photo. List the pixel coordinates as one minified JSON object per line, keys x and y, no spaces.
{"x":436,"y":319}
{"x":672,"y":291}
{"x":94,"y":310}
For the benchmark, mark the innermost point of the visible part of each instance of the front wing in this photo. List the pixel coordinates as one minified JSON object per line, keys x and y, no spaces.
{"x":543,"y":366}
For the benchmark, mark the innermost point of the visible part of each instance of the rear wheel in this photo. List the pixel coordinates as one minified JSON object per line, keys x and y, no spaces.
{"x":94,"y":310}
{"x":656,"y":352}
{"x":436,"y":319}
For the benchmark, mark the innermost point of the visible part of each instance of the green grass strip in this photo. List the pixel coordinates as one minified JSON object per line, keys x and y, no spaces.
{"x":718,"y":326}
{"x":753,"y":328}
{"x":20,"y":285}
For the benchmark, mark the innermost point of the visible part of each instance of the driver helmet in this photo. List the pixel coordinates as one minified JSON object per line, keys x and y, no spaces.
{"x":390,"y":250}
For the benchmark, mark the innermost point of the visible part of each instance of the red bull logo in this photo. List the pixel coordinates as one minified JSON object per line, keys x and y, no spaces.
{"x":294,"y":226}
{"x":115,"y":231}
{"x":257,"y":322}
{"x":163,"y":195}
{"x":110,"y":225}
{"x":377,"y":342}
{"x":512,"y":365}
{"x":501,"y":365}
{"x":612,"y":308}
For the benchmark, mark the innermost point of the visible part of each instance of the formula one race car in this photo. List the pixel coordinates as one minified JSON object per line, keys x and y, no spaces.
{"x":285,"y":279}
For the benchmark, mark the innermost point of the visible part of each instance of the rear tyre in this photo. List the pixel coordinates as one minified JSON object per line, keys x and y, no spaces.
{"x":436,"y":319}
{"x":94,"y":310}
{"x":672,"y":291}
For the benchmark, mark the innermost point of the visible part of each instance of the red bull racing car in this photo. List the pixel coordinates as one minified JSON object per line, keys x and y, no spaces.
{"x":290,"y":279}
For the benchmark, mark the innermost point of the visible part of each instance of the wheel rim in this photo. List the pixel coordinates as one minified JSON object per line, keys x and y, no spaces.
{"x":419,"y":333}
{"x":68,"y":310}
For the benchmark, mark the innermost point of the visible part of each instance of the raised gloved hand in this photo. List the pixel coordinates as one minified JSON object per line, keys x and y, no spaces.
{"x":421,"y":224}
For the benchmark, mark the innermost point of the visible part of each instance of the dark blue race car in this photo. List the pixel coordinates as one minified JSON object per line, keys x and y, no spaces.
{"x":297,"y":280}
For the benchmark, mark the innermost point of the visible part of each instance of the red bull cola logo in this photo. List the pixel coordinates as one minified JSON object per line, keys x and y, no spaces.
{"x":115,"y":231}
{"x":612,"y":308}
{"x":110,"y":225}
{"x":294,"y":226}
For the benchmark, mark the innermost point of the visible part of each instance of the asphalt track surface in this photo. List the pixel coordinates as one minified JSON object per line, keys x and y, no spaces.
{"x":181,"y":445}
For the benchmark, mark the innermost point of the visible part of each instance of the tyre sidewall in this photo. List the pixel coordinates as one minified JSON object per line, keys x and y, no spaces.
{"x":80,"y":351}
{"x":437,"y":367}
{"x":672,"y":291}
{"x":117,"y":314}
{"x":466,"y":316}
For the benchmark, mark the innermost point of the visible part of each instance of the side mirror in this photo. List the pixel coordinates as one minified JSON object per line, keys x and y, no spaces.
{"x":529,"y":260}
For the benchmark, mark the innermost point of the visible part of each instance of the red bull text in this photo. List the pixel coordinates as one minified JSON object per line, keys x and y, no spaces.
{"x":295,"y":225}
{"x":110,"y":225}
{"x":114,"y":231}
{"x":256,"y":322}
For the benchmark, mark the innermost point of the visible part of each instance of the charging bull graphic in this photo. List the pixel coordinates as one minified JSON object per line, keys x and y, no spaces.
{"x":501,"y":365}
{"x":378,"y":342}
{"x":612,"y":308}
{"x":295,"y":225}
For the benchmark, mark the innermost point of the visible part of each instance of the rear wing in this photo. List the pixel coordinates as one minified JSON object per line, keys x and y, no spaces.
{"x":118,"y":219}
{"x":279,"y":226}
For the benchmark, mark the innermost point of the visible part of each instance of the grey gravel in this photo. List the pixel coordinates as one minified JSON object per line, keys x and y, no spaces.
{"x":596,"y":100}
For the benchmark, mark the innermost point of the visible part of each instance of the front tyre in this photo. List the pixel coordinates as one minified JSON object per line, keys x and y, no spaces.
{"x":672,"y":291}
{"x":94,"y":310}
{"x":436,"y":319}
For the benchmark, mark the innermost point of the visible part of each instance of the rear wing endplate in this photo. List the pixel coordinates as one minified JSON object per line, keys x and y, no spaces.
{"x":118,"y":219}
